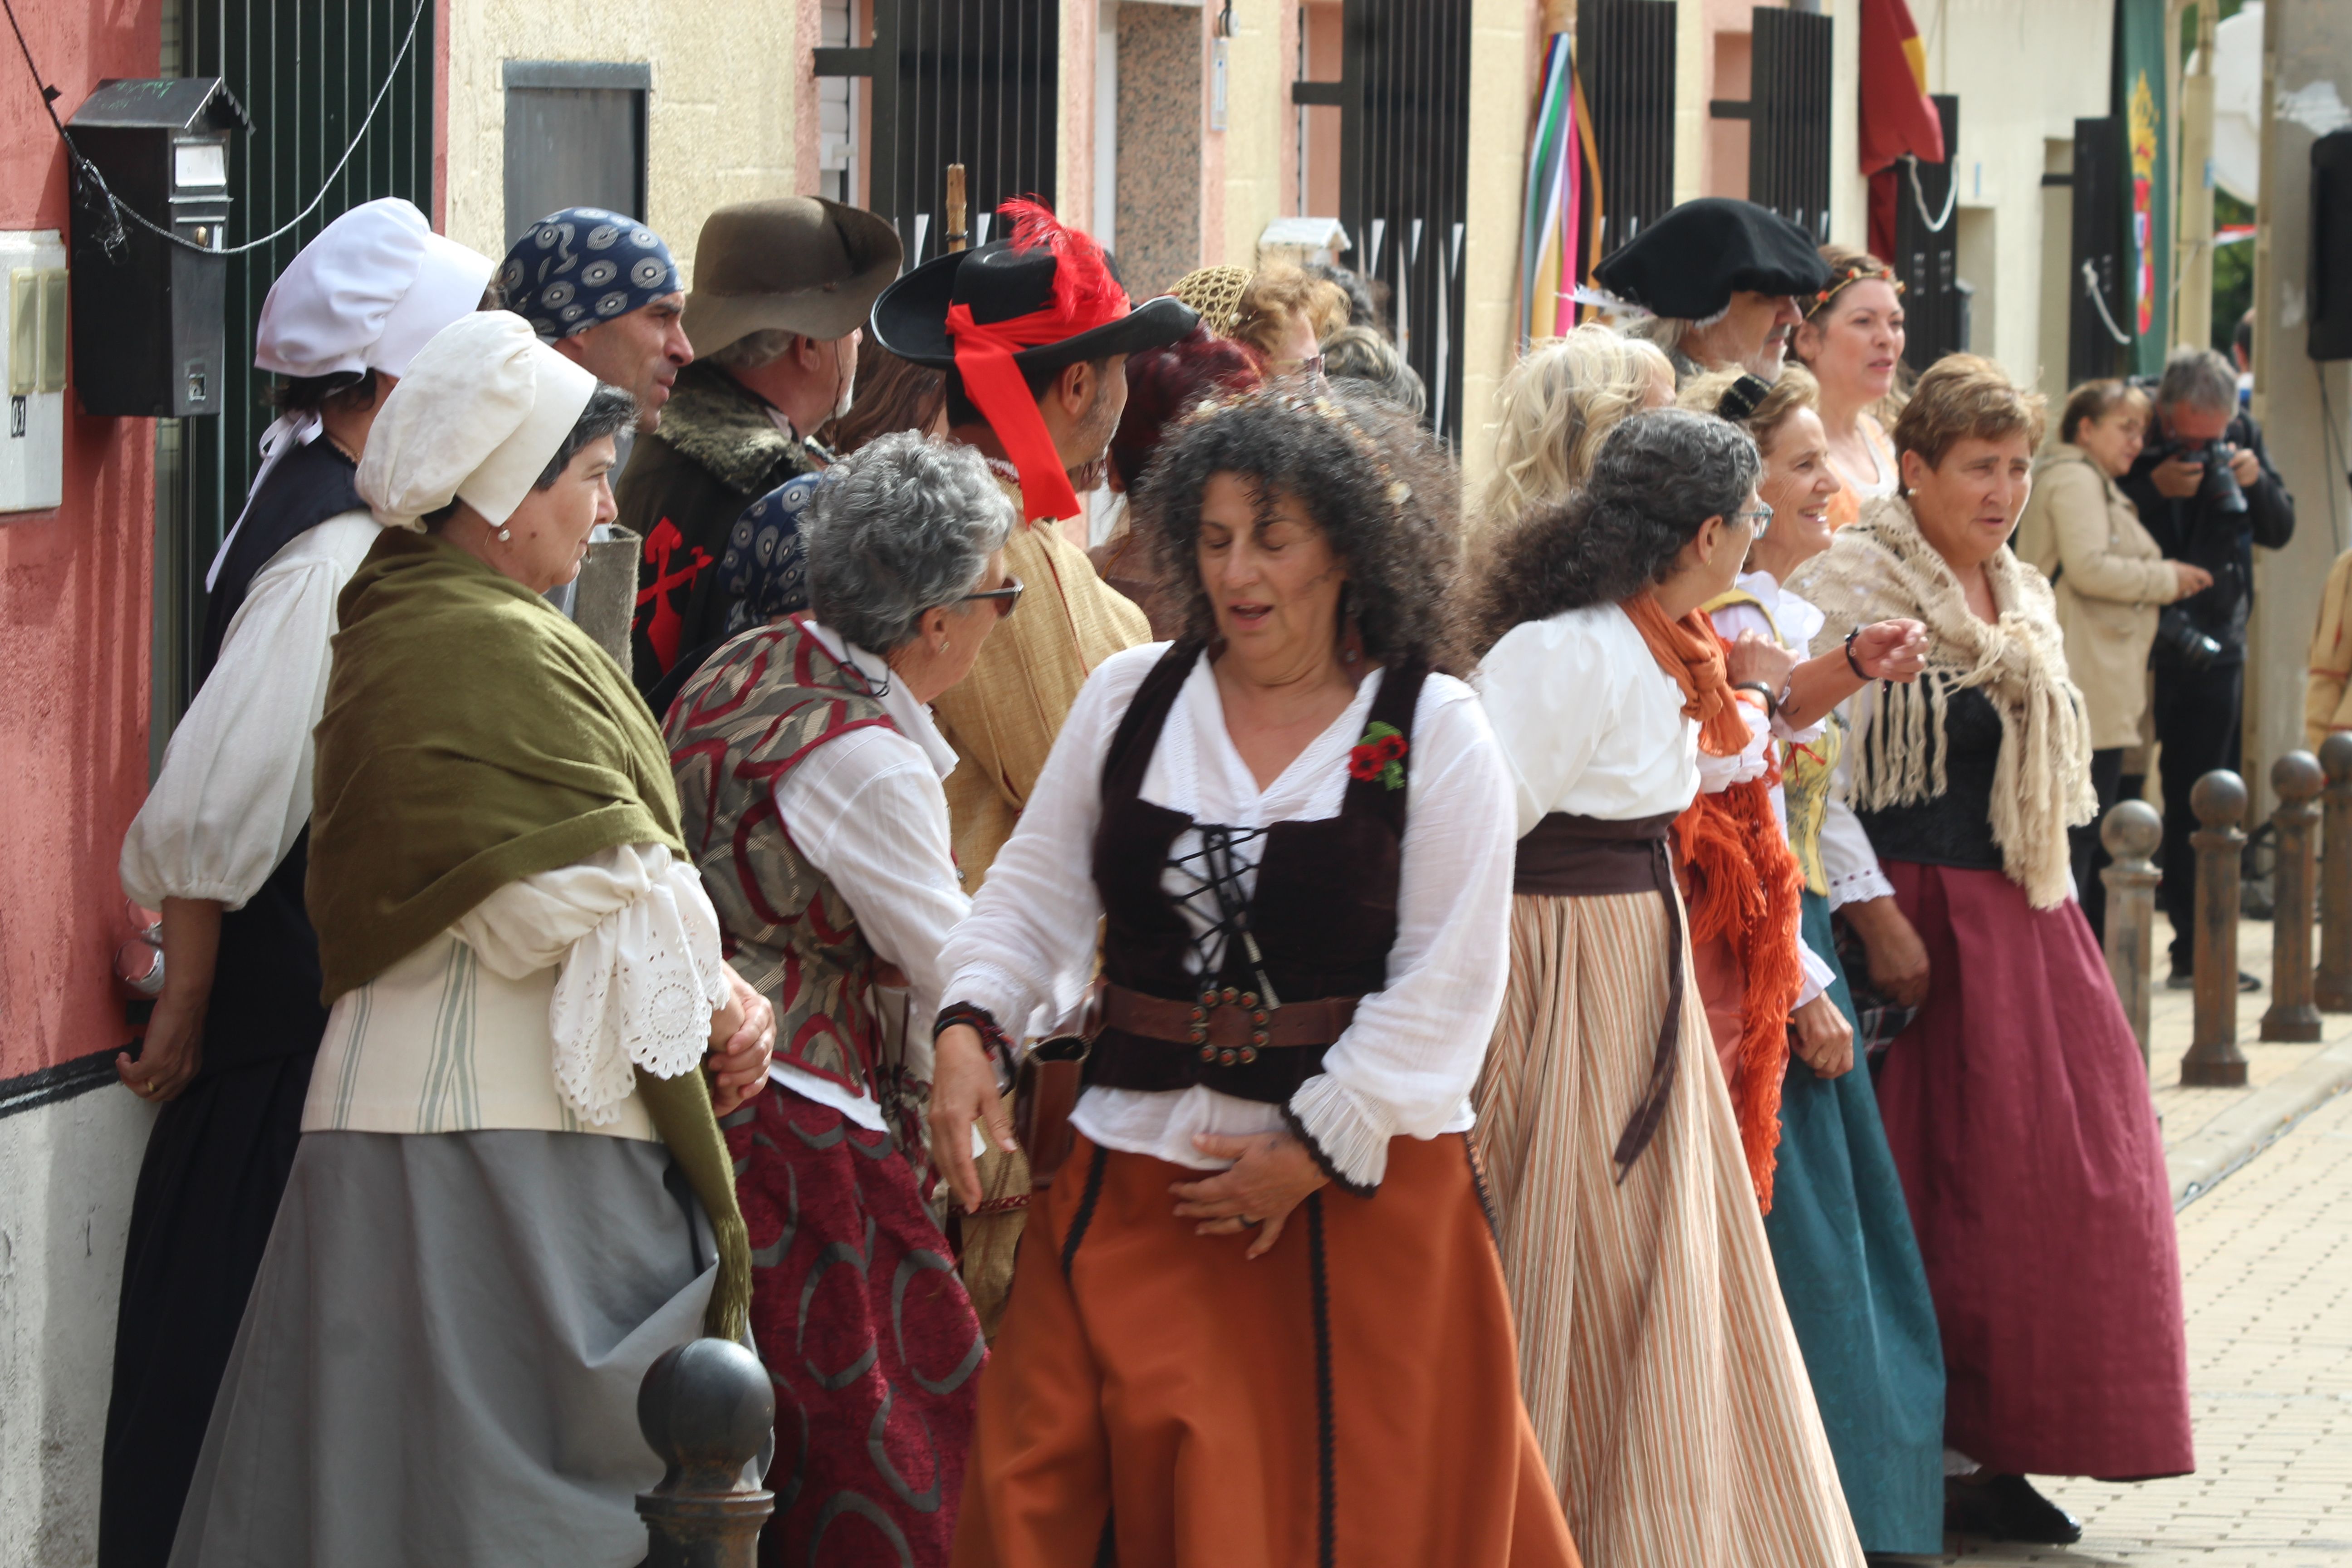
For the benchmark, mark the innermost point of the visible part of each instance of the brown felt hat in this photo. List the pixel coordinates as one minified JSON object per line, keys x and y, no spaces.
{"x":797,"y":264}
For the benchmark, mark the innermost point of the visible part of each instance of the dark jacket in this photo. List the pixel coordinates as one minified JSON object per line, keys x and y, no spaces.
{"x":718,"y":451}
{"x":2190,"y":530}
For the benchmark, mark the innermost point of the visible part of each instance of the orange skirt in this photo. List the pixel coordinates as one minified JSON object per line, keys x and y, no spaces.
{"x":1351,"y":1397}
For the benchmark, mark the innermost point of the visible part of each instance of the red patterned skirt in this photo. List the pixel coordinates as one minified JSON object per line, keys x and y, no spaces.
{"x":867,"y":1336}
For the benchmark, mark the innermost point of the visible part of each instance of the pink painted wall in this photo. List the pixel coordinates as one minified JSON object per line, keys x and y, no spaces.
{"x":75,"y":622}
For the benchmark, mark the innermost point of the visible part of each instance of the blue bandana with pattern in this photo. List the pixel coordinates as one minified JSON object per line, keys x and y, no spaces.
{"x":765,"y":569}
{"x":582,"y":267}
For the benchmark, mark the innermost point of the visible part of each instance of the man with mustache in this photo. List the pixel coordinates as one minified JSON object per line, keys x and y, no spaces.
{"x":1721,"y":279}
{"x":780,"y":292}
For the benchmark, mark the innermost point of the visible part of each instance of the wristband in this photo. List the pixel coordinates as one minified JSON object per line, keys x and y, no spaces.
{"x":1771,"y":703}
{"x":991,"y":1038}
{"x":1852,"y":663}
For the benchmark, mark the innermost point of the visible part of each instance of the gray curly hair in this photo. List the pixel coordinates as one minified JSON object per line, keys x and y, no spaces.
{"x":903,"y":525}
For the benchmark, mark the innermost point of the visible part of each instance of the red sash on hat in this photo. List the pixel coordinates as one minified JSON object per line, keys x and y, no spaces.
{"x":983,"y":357}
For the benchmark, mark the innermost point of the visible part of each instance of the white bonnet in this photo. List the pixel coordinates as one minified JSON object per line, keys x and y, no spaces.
{"x":367,"y":293}
{"x":483,"y":408}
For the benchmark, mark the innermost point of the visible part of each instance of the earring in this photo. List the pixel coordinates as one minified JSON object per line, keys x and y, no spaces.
{"x":505,"y":532}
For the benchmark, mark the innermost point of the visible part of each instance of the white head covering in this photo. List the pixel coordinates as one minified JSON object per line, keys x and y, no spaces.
{"x":366,"y":294}
{"x":483,"y":408}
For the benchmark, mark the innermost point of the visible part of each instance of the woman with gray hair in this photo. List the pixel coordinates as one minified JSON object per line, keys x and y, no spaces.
{"x":808,"y":775}
{"x":1656,"y":1355}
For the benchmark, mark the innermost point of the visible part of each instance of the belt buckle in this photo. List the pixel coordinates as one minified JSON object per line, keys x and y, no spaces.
{"x":1214,"y":999}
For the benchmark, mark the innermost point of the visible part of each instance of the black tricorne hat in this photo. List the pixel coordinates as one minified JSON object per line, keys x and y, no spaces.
{"x":997,"y":282}
{"x":1689,"y":262}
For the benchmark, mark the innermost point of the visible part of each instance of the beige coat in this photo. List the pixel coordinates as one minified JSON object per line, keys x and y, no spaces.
{"x":2327,"y":691}
{"x":2086,"y":538}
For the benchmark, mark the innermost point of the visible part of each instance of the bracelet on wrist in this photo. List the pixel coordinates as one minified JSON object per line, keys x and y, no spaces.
{"x":1852,"y":663}
{"x":983,"y":1021}
{"x":1771,"y":703}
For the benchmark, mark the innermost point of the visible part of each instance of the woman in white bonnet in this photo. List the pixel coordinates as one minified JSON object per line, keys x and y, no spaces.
{"x":219,"y":848}
{"x":511,"y":1193}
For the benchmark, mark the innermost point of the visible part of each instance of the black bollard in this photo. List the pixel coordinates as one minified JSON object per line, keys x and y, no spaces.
{"x":706,"y":1409}
{"x":2332,"y":989}
{"x":2297,"y":780}
{"x":2214,"y":1060}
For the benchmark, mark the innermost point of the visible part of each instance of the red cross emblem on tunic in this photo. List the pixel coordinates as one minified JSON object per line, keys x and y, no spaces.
{"x":663,"y":546}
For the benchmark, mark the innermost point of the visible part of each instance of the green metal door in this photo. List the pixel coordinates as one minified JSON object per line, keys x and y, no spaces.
{"x":309,"y":73}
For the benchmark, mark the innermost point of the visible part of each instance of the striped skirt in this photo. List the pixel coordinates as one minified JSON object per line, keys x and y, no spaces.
{"x":1665,"y":1382}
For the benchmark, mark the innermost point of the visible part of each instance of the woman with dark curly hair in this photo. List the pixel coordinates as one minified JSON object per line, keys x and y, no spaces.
{"x":1261,"y":1306}
{"x":1657,"y":1357}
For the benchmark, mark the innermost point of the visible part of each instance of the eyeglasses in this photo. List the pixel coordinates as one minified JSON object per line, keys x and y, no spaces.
{"x":1007,"y":598}
{"x":1762,"y":517}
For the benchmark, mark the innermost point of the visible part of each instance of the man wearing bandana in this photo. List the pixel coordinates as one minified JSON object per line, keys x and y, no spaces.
{"x":1033,"y":332}
{"x":602,"y":290}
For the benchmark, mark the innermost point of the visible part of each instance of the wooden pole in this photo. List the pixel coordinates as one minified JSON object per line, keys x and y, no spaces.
{"x":2296,"y":779}
{"x":707,"y":1410}
{"x":959,"y":236}
{"x":2332,"y":989}
{"x":2131,"y":831}
{"x":2214,"y":1060}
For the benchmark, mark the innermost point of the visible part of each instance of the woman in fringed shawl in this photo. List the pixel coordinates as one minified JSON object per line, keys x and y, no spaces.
{"x":2016,"y":1102}
{"x":511,"y":1194}
{"x":808,"y":774}
{"x":1840,"y":1236}
{"x":1667,"y":1387}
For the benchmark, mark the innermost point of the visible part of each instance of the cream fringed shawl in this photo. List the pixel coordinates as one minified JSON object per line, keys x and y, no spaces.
{"x":1880,"y":569}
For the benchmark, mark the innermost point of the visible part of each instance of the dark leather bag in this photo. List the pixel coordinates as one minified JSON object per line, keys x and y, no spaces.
{"x":1046,"y":1091}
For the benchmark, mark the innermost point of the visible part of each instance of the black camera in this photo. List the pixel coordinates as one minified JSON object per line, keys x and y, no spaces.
{"x":2219,"y":489}
{"x":2180,"y":636}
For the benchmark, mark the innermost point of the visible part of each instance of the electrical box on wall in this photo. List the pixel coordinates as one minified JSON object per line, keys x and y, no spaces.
{"x":148,"y":312}
{"x":33,"y":371}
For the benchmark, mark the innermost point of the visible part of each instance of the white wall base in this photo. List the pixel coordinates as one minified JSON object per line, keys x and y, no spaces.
{"x":67,"y":1172}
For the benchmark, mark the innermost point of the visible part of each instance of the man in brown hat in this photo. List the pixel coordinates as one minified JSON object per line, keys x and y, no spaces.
{"x":780,"y":292}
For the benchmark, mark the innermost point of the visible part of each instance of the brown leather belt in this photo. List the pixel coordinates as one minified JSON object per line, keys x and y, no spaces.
{"x":1229,"y":1023}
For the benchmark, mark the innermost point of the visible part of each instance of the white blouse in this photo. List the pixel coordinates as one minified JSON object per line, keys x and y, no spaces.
{"x":235,"y":790}
{"x":866,"y":810}
{"x":1588,"y":723}
{"x":535,"y":1009}
{"x":1406,"y":1063}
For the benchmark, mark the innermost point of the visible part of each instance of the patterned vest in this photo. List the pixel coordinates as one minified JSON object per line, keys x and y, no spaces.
{"x":762,"y":704}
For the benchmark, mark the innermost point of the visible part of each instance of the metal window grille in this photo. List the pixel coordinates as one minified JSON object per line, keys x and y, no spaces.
{"x":1789,"y":118}
{"x":307,"y":73}
{"x":976,"y":82}
{"x":1404,"y":162}
{"x":1625,"y":55}
{"x":1927,"y":250}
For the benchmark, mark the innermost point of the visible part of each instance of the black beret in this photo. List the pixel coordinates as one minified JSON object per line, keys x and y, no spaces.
{"x":1689,"y":262}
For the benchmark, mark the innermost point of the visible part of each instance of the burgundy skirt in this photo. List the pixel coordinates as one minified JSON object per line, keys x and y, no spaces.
{"x":2018,"y":1112}
{"x":867,"y":1335}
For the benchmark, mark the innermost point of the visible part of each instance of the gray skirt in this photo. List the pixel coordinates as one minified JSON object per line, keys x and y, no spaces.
{"x":440,"y":1360}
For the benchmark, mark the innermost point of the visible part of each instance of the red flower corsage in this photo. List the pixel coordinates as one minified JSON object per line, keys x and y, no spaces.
{"x":1380,"y":755}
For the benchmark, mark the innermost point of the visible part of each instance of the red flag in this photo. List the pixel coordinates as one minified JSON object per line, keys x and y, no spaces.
{"x":1897,"y":116}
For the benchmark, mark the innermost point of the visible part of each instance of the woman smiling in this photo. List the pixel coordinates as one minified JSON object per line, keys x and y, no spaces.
{"x":1259,"y":1304}
{"x":1852,"y":340}
{"x":1841,"y":1243}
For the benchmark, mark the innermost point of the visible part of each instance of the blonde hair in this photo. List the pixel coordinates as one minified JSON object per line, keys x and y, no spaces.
{"x":1278,"y":294}
{"x":1558,"y":404}
{"x":1965,"y":397}
{"x":1794,"y":388}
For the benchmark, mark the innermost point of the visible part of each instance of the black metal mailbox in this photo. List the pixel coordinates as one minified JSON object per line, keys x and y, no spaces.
{"x":147,"y":313}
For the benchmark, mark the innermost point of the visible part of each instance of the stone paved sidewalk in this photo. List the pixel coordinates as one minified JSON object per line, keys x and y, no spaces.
{"x":2266,"y":1257}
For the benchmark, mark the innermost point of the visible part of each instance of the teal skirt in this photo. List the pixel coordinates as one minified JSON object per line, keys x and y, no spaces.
{"x":1857,"y":1294}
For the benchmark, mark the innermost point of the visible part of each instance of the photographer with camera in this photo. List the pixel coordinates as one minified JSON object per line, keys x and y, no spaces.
{"x":2207,"y":495}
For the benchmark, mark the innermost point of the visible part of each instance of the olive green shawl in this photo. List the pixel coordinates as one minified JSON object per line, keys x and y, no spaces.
{"x":474,"y":736}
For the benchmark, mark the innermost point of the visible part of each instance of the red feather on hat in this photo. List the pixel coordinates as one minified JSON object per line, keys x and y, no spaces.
{"x":1083,"y":284}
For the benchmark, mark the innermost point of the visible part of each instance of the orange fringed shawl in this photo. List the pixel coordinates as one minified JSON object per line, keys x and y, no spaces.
{"x":1744,"y":880}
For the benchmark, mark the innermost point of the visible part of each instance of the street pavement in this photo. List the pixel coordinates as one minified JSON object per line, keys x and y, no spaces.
{"x":2266,"y":1259}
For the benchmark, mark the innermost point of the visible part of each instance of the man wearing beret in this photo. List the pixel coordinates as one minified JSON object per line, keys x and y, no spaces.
{"x":1720,"y":280}
{"x":780,"y":289}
